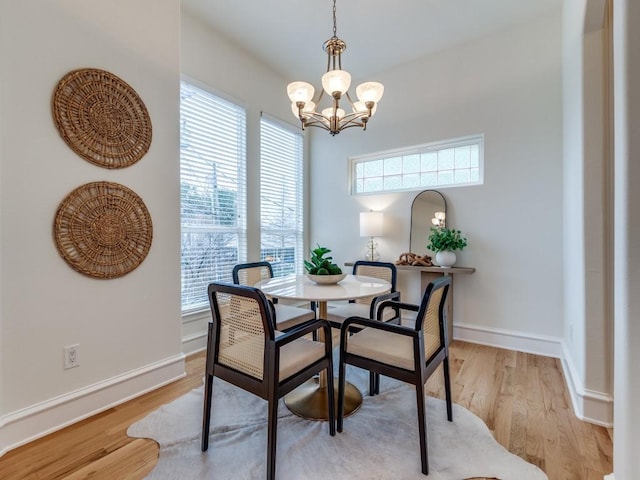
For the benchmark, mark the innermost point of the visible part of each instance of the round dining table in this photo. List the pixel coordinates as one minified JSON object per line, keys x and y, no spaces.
{"x":309,"y":400}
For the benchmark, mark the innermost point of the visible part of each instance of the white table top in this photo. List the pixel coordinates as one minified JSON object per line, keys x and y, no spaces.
{"x":300,"y":287}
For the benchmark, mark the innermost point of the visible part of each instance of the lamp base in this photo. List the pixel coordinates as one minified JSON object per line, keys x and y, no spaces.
{"x":371,"y":254}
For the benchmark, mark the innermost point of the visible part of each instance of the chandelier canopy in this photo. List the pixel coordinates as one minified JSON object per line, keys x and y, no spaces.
{"x":336,"y":83}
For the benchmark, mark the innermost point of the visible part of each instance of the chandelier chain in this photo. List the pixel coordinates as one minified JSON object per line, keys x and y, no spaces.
{"x":334,"y":20}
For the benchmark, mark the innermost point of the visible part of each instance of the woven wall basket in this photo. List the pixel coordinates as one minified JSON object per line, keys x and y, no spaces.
{"x":101,"y":118}
{"x":103,"y":230}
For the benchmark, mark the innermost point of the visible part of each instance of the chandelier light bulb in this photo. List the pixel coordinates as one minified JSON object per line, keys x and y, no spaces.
{"x":336,"y":81}
{"x":360,"y":107}
{"x":300,"y":92}
{"x":328,"y":112}
{"x":370,"y":92}
{"x":309,"y":107}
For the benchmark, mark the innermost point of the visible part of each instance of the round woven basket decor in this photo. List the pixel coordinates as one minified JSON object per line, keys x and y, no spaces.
{"x":101,"y":118}
{"x":103,"y":230}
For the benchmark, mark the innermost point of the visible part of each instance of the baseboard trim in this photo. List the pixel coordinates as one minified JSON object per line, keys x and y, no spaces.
{"x":588,"y":405}
{"x":194,"y":331}
{"x":23,"y":426}
{"x":500,"y":338}
{"x":194,"y":343}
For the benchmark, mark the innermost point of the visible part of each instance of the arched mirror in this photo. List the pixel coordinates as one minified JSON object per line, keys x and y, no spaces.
{"x":428,"y":209}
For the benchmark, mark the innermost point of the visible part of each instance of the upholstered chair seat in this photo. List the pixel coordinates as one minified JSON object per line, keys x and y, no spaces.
{"x":387,"y":347}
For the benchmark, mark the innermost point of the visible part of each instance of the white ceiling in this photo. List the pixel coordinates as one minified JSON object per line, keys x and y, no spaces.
{"x":288,"y":34}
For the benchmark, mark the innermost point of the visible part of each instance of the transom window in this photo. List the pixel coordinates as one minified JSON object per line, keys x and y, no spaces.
{"x":440,"y":164}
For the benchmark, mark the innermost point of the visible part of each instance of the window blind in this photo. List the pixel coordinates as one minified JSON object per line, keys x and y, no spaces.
{"x":281,"y":196}
{"x":212,"y":192}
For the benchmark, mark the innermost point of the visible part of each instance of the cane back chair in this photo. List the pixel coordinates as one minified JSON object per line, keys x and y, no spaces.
{"x":408,"y":354}
{"x":245,"y":349}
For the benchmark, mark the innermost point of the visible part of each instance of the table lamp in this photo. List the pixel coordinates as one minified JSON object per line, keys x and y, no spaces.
{"x":371,"y":225}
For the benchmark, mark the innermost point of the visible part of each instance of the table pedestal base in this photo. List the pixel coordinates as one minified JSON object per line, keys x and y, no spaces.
{"x":309,"y":400}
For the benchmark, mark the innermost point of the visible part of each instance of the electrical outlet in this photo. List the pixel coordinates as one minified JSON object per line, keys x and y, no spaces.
{"x":71,"y":356}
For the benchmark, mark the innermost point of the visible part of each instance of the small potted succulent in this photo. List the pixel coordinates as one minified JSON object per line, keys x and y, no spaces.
{"x":321,"y":269}
{"x":444,"y":242}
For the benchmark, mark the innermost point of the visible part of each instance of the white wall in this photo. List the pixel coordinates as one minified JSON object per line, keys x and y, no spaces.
{"x":627,"y":239}
{"x":587,"y":211}
{"x":573,"y":192}
{"x":507,"y":86}
{"x":215,"y":63}
{"x":128,"y":328}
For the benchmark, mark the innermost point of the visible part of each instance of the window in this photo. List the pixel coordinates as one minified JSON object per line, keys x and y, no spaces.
{"x":440,"y":164}
{"x":212,"y":192}
{"x":281,"y":196}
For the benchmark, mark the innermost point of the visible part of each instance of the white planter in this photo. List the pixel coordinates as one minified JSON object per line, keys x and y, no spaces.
{"x":446,"y":258}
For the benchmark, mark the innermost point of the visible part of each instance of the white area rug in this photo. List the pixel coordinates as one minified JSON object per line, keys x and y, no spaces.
{"x":379,"y":441}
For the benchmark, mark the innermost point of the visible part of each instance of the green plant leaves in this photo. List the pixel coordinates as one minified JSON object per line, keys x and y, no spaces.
{"x":318,"y":264}
{"x":445,"y":239}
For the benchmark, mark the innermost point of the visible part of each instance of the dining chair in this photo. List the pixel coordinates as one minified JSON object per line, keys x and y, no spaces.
{"x":407,"y":353}
{"x":245,"y":349}
{"x":287,"y":316}
{"x":368,"y":306}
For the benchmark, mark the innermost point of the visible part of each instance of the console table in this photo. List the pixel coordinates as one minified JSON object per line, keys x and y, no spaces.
{"x":427,"y":274}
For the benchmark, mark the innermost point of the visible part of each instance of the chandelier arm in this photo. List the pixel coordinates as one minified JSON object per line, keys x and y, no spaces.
{"x":349,"y":98}
{"x":317,"y":102}
{"x":315,"y":118}
{"x":350,"y":117}
{"x":355,"y":121}
{"x":363,"y":125}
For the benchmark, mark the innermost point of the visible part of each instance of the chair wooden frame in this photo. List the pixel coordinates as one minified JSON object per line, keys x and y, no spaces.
{"x":270,"y":387}
{"x":423,"y":367}
{"x":244,"y":266}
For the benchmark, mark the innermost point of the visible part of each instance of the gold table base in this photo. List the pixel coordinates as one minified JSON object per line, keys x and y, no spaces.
{"x":309,"y":400}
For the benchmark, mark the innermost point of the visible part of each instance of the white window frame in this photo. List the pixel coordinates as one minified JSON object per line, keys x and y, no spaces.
{"x":416,"y":179}
{"x":291,"y":177}
{"x":206,"y":151}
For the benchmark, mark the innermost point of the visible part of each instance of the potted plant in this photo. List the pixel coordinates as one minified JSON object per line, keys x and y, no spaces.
{"x":321,"y":269}
{"x":444,"y":242}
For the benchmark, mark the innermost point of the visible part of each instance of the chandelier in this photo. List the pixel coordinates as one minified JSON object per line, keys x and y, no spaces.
{"x":336,"y":83}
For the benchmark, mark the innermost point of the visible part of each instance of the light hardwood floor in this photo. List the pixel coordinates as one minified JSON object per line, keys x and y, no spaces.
{"x":521,"y":397}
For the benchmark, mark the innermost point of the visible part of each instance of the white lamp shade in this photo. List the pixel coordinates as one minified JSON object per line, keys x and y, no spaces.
{"x":328,"y":112}
{"x":300,"y":92}
{"x":336,"y":81}
{"x":370,"y":92}
{"x":371,"y":224}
